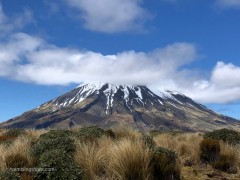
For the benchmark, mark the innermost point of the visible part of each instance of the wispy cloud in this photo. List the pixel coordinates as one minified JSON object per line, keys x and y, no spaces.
{"x":9,"y":24}
{"x":53,"y":6}
{"x":110,"y":16}
{"x":228,"y":3}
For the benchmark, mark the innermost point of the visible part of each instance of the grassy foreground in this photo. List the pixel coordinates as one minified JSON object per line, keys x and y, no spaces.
{"x":123,"y":154}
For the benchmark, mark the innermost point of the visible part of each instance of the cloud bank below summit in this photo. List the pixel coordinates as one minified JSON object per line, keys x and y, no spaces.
{"x":34,"y":60}
{"x":30,"y":59}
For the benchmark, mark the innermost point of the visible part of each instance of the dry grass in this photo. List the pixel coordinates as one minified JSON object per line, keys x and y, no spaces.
{"x":232,"y":153}
{"x":122,"y":132}
{"x":123,"y":159}
{"x":93,"y":158}
{"x":2,"y":131}
{"x":230,"y":150}
{"x":185,"y":145}
{"x":19,"y":146}
{"x":126,"y":156}
{"x":129,"y":160}
{"x":35,"y":134}
{"x":75,"y":128}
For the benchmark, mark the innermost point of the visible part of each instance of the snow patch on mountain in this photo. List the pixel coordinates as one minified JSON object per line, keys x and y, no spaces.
{"x":131,"y":95}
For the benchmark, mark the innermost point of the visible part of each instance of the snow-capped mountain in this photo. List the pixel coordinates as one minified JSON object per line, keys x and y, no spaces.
{"x":108,"y":105}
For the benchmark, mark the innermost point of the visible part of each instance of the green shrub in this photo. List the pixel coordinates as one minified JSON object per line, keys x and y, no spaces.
{"x":15,"y":132}
{"x":55,"y":150}
{"x":209,"y":150}
{"x":225,"y":135}
{"x":54,"y":139}
{"x":9,"y":175}
{"x":91,"y":133}
{"x":164,"y":165}
{"x":56,"y":133}
{"x":57,"y":164}
{"x":148,"y":141}
{"x":16,"y":161}
{"x":225,"y":163}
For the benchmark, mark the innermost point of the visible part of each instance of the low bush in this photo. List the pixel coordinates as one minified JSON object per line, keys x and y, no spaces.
{"x":54,"y":139}
{"x":225,"y":135}
{"x":9,"y":175}
{"x":148,"y":141}
{"x":56,"y":133}
{"x":92,"y":131}
{"x":164,"y":164}
{"x":209,"y":150}
{"x":55,"y":151}
{"x":57,"y":164}
{"x":90,"y":134}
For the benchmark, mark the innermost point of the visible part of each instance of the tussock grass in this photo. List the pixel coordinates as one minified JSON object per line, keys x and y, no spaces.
{"x":121,"y":153}
{"x":93,"y":158}
{"x":209,"y":150}
{"x":2,"y":131}
{"x":122,"y":132}
{"x":123,"y":159}
{"x":185,"y":145}
{"x":20,"y":146}
{"x":129,"y":160}
{"x":229,"y":160}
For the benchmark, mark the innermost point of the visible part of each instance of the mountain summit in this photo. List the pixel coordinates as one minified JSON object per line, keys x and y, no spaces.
{"x":108,"y":105}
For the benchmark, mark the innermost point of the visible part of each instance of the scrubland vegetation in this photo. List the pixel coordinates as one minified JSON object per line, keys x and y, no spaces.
{"x":118,"y":154}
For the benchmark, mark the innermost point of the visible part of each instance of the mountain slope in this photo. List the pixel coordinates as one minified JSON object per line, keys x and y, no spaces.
{"x":107,"y":105}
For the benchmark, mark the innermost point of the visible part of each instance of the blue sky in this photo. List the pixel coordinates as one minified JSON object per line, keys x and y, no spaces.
{"x":48,"y":47}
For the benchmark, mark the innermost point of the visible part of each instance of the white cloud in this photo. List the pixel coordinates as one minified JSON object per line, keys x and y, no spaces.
{"x":31,"y":59}
{"x":228,"y":3}
{"x":14,"y":23}
{"x":110,"y":16}
{"x":13,"y":51}
{"x":226,"y":75}
{"x":222,"y":87}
